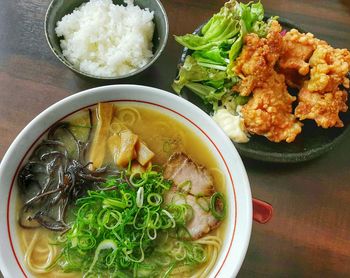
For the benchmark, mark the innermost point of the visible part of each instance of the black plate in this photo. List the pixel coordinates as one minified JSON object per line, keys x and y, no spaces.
{"x":311,"y":143}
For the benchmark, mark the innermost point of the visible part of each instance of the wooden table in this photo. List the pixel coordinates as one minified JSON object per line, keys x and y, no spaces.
{"x":309,"y":235}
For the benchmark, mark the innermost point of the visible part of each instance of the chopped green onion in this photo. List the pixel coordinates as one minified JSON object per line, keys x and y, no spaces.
{"x":217,"y":196}
{"x":203,"y":203}
{"x":114,"y":203}
{"x":185,"y":186}
{"x":154,"y":199}
{"x":106,"y":244}
{"x":86,"y":242}
{"x":170,"y":217}
{"x":150,"y":235}
{"x":139,"y":197}
{"x":129,"y":231}
{"x":137,"y":180}
{"x":117,"y":217}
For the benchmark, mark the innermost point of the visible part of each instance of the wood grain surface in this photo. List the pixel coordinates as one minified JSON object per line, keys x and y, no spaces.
{"x":309,"y":235}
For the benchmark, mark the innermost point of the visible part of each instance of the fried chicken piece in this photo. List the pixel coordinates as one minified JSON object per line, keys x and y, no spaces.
{"x":297,"y":48}
{"x":320,"y":98}
{"x":269,"y":111}
{"x":323,"y":108}
{"x":257,"y":59}
{"x":329,"y":69}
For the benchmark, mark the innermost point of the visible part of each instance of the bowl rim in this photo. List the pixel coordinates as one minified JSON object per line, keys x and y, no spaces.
{"x":130,"y":74}
{"x":241,"y":235}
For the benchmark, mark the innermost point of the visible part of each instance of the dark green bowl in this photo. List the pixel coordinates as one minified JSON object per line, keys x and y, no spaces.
{"x":311,"y":143}
{"x":59,"y":8}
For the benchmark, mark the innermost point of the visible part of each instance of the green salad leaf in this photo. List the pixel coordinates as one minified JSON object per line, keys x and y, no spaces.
{"x":191,"y":71}
{"x":209,"y":69}
{"x":222,"y":26}
{"x":212,"y":56}
{"x":251,"y":14}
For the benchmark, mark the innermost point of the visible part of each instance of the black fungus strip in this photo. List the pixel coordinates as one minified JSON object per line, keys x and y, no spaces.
{"x":66,"y":180}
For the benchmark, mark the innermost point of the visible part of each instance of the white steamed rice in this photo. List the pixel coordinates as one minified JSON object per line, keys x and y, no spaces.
{"x":107,"y":40}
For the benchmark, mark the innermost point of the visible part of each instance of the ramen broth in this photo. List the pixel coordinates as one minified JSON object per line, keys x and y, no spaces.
{"x":164,"y":136}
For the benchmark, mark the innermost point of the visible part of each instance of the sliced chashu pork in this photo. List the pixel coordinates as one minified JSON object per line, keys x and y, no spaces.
{"x":181,"y":170}
{"x":202,"y":221}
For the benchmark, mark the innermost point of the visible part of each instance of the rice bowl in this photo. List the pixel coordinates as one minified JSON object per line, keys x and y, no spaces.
{"x":108,"y":40}
{"x":59,"y":9}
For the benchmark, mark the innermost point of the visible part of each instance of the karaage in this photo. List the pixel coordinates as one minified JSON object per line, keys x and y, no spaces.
{"x":320,"y":98}
{"x":329,"y":67}
{"x":323,"y":108}
{"x":269,"y":111}
{"x":302,"y":62}
{"x":257,"y":59}
{"x":297,"y":48}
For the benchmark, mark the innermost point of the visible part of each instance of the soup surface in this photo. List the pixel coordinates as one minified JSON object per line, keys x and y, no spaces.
{"x":73,"y":221}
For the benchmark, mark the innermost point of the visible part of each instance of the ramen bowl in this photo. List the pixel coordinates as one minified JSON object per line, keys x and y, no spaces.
{"x":238,"y":220}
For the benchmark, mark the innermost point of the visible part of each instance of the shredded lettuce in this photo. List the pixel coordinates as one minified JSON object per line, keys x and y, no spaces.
{"x":230,"y":102}
{"x":208,"y":70}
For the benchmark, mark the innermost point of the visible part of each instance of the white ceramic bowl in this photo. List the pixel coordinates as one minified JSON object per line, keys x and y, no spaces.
{"x":239,"y":213}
